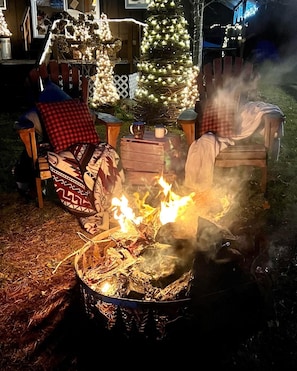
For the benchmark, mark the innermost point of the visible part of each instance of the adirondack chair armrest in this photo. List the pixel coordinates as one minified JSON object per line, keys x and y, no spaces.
{"x":187,"y":121}
{"x":34,"y":149}
{"x":28,"y":137}
{"x":112,"y":125}
{"x":273,"y":131}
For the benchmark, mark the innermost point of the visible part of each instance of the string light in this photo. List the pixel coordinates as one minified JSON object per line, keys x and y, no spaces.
{"x":4,"y":31}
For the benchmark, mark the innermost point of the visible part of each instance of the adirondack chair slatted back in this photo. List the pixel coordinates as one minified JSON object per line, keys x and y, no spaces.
{"x":216,"y":74}
{"x":67,"y":77}
{"x":232,"y":78}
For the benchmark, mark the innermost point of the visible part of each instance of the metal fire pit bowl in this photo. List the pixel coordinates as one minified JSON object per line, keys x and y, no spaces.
{"x":223,"y":295}
{"x":130,"y":315}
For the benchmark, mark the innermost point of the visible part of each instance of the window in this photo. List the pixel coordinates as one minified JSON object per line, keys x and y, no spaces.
{"x":42,"y":15}
{"x":136,"y":4}
{"x":43,"y":12}
{"x":84,"y":6}
{"x":3,"y":4}
{"x":250,"y":10}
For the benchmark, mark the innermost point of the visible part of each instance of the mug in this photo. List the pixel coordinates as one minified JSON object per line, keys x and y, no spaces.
{"x":137,"y":129}
{"x":160,"y":131}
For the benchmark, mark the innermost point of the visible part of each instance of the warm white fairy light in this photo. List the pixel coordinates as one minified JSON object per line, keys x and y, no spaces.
{"x":4,"y":31}
{"x":104,"y":30}
{"x":233,"y":34}
{"x":120,"y":20}
{"x":96,"y":44}
{"x":105,"y":92}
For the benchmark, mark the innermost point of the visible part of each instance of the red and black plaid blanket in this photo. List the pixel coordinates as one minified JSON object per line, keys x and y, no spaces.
{"x":219,"y":118}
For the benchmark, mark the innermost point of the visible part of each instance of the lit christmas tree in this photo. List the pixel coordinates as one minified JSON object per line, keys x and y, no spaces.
{"x":4,"y":31}
{"x":165,"y":82}
{"x":105,"y":92}
{"x":95,"y":43}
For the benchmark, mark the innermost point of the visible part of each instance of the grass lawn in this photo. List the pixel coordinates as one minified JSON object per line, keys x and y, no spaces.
{"x":282,"y":189}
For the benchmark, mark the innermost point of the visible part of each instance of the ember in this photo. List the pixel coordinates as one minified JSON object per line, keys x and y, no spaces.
{"x":132,"y":267}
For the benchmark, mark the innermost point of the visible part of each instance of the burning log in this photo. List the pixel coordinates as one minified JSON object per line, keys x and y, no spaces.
{"x":177,"y":289}
{"x":137,"y":266}
{"x":143,"y":275}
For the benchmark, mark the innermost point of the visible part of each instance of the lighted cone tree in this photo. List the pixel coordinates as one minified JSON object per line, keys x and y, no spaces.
{"x":165,"y":81}
{"x":4,"y":31}
{"x":105,"y":92}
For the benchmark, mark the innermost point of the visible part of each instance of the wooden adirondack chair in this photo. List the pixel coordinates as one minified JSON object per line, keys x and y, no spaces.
{"x":238,"y":83}
{"x":76,"y":85}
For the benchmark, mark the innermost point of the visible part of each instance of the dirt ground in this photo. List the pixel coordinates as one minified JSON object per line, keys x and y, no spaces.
{"x":44,"y":325}
{"x":248,"y":325}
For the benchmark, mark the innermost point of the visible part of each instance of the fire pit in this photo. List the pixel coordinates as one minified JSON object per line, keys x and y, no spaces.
{"x":215,"y":292}
{"x":116,"y":285}
{"x":144,"y":278}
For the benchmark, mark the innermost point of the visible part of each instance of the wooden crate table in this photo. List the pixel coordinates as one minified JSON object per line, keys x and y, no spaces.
{"x":144,"y":160}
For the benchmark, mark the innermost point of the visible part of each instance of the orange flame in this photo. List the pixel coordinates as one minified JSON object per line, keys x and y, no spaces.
{"x":174,"y":205}
{"x":124,"y":214}
{"x":171,"y":208}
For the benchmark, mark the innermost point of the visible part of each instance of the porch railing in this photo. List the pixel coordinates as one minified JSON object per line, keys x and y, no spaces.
{"x":125,"y":85}
{"x":26,"y":29}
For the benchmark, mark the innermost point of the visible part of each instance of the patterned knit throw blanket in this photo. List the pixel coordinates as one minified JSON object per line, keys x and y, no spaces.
{"x":86,"y":178}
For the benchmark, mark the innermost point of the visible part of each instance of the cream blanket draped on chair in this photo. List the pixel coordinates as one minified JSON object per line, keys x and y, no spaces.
{"x":201,"y":156}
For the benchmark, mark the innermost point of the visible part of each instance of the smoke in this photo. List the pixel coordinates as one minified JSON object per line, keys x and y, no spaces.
{"x":279,"y":73}
{"x":272,"y":37}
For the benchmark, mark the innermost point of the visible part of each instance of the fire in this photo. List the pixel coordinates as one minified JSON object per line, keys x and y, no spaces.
{"x":124,"y":214}
{"x":105,"y":288}
{"x":172,"y":206}
{"x":139,"y":258}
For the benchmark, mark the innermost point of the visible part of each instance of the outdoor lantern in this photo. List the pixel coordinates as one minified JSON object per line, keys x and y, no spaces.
{"x":5,"y":48}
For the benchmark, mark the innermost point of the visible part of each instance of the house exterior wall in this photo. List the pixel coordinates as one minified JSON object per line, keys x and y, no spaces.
{"x":128,"y":32}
